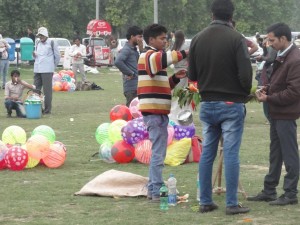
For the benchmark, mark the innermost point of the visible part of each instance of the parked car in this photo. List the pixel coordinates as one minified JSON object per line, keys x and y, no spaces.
{"x":122,"y":42}
{"x":63,"y":44}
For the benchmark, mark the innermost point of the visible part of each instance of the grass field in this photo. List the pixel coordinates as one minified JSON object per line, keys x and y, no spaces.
{"x":41,"y":195}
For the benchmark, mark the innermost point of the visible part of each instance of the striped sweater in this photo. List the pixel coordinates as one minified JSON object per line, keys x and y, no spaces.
{"x":154,"y":85}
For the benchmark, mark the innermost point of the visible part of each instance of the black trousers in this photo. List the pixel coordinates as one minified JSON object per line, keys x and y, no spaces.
{"x":283,"y":149}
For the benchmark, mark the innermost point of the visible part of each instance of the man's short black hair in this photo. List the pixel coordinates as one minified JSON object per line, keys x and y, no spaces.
{"x":279,"y":30}
{"x":15,"y":72}
{"x":76,"y":38}
{"x":134,"y":30}
{"x":153,"y":30}
{"x":222,"y":9}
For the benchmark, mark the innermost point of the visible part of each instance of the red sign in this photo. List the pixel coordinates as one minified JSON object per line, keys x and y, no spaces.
{"x":98,"y":28}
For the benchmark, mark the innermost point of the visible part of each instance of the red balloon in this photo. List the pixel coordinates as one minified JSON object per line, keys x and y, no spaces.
{"x":120,"y":112}
{"x":122,"y":152}
{"x":56,"y":156}
{"x":65,"y":86}
{"x":2,"y":158}
{"x":16,"y":158}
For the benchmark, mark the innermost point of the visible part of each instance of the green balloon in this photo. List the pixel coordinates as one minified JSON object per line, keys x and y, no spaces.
{"x":46,"y":131}
{"x":101,"y":133}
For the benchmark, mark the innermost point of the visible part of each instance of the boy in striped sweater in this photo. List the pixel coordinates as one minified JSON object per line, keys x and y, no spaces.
{"x":154,"y":93}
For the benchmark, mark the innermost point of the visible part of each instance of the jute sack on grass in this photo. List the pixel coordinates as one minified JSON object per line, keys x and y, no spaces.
{"x":116,"y":183}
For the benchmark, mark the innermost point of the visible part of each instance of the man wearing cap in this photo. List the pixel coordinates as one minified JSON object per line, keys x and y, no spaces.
{"x":46,"y":57}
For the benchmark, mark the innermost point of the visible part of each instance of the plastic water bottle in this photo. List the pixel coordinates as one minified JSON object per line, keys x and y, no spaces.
{"x":198,"y":188}
{"x":163,"y":191}
{"x":172,"y":198}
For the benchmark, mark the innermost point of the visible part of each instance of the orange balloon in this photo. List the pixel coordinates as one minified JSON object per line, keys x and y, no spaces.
{"x":57,"y":86}
{"x":143,"y":151}
{"x":38,"y":146}
{"x":56,"y":156}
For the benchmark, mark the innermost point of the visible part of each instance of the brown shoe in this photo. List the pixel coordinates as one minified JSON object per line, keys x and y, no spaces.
{"x":208,"y":208}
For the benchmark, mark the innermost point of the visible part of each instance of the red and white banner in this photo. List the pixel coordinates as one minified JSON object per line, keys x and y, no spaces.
{"x":98,"y":28}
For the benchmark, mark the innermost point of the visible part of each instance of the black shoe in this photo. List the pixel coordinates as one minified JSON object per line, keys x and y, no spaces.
{"x":208,"y":208}
{"x":232,"y":210}
{"x":262,"y":197}
{"x":284,"y":200}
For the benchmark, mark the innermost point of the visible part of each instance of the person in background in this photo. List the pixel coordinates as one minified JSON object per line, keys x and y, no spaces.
{"x":13,"y":94}
{"x":78,"y":52}
{"x":32,"y":37}
{"x":220,"y":63}
{"x":283,"y":98}
{"x":127,"y":61}
{"x":113,"y":49}
{"x":4,"y":62}
{"x":46,"y":57}
{"x":154,"y":93}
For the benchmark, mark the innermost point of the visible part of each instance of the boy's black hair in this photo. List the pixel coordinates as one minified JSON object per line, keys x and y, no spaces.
{"x":76,"y":38}
{"x":134,"y":30}
{"x":279,"y":30}
{"x":153,"y":30}
{"x":17,"y":72}
{"x":222,"y":9}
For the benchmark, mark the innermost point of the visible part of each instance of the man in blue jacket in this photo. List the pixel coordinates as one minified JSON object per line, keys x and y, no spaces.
{"x":127,"y":60}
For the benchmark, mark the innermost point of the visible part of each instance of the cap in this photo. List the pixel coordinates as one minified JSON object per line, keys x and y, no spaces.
{"x":43,"y":31}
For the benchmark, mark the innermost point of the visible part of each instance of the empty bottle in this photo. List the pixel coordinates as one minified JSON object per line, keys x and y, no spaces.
{"x":198,"y":188}
{"x":163,"y":191}
{"x":172,"y":196}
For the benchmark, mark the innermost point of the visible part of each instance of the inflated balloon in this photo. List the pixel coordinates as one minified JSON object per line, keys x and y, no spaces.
{"x":171,"y":132}
{"x":57,"y":86}
{"x":122,"y":152}
{"x":16,"y":158}
{"x":31,"y":161}
{"x":143,"y":151}
{"x":184,"y":131}
{"x":46,"y":131}
{"x":72,"y":87}
{"x":65,"y":86}
{"x":134,"y":131}
{"x":56,"y":77}
{"x":56,"y":156}
{"x":3,"y":151}
{"x":134,"y":108}
{"x":61,"y":144}
{"x":70,"y":73}
{"x":101,"y":133}
{"x":14,"y":135}
{"x":114,"y":130}
{"x":120,"y":112}
{"x":105,"y":152}
{"x":38,"y":146}
{"x":66,"y":78}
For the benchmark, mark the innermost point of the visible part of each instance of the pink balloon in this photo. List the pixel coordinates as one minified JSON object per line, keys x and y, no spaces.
{"x":171,"y":132}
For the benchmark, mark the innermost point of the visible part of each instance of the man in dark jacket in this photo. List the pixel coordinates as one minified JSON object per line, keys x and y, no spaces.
{"x":127,"y":61}
{"x":219,"y":61}
{"x":283,"y":98}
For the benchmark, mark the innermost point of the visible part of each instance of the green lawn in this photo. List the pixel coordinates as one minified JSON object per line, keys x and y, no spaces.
{"x":45,"y":196}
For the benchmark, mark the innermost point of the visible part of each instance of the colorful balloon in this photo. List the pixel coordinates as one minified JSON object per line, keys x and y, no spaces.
{"x":134,"y":108}
{"x":38,"y":146}
{"x":120,"y":112}
{"x":57,"y":86}
{"x":184,"y":131}
{"x":122,"y":152}
{"x":101,"y":133}
{"x":134,"y":131}
{"x":3,"y":151}
{"x":46,"y":131}
{"x":105,"y":152}
{"x":114,"y":130}
{"x":16,"y":158}
{"x":56,"y":156}
{"x":14,"y":135}
{"x":143,"y":151}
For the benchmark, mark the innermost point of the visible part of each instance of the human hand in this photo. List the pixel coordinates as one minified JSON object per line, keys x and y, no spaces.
{"x":181,"y":74}
{"x":261,"y":95}
{"x":34,"y":54}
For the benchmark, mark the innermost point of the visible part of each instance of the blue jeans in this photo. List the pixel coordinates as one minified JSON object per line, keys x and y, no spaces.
{"x":18,"y":106}
{"x":157,"y":126}
{"x":226,"y":120}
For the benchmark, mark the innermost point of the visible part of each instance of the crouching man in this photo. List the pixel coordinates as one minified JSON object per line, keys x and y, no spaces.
{"x":13,"y":94}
